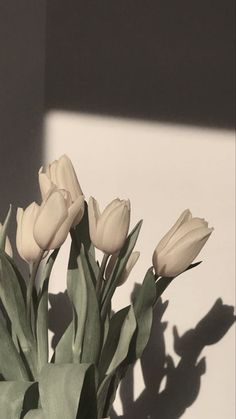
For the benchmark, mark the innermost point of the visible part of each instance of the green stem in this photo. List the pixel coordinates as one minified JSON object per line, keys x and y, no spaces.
{"x":33,"y":272}
{"x":101,"y":273}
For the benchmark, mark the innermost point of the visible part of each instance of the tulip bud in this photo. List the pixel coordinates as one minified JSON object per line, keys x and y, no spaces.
{"x":109,"y":230}
{"x":128,"y":267}
{"x":61,"y":174}
{"x":26,"y":245}
{"x":180,"y":246}
{"x":8,"y":248}
{"x":56,"y":217}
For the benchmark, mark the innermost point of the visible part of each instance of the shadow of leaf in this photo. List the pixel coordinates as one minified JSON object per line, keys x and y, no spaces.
{"x":183,"y":381}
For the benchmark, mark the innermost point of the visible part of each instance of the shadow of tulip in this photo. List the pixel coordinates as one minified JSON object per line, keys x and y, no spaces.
{"x":60,"y":315}
{"x":182,"y":382}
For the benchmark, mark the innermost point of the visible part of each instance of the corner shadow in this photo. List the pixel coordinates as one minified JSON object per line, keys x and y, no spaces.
{"x":182,"y":382}
{"x":159,"y":60}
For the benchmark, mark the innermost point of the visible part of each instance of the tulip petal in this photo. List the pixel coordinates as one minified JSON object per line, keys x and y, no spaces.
{"x":94,"y":216}
{"x":45,"y":184}
{"x":185,"y":228}
{"x":184,"y":217}
{"x":112,"y":232}
{"x":66,"y":177}
{"x":183,"y":253}
{"x":53,"y":212}
{"x":110,"y":207}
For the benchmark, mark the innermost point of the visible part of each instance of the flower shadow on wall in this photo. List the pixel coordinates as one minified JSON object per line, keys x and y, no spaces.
{"x":183,"y":381}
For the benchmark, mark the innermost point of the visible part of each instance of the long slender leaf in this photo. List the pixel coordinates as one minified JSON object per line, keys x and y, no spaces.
{"x":112,"y":340}
{"x":143,"y":310}
{"x":35,"y":414}
{"x":63,"y":351}
{"x":127,"y":331}
{"x":13,"y":301}
{"x":42,"y":313}
{"x":77,"y":292}
{"x":92,"y":329}
{"x":88,"y":397}
{"x":120,"y":264}
{"x":12,"y":397}
{"x":60,"y":389}
{"x":11,"y":365}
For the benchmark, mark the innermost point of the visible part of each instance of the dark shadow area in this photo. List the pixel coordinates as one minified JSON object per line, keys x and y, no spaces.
{"x":182,"y":381}
{"x":22,"y":46}
{"x":156,"y":60}
{"x":60,"y":315}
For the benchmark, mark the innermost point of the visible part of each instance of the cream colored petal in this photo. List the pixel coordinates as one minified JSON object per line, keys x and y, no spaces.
{"x":129,"y":266}
{"x":29,"y":248}
{"x":93,"y":216}
{"x":80,"y":211}
{"x":62,"y":232}
{"x":185,"y":228}
{"x":109,"y":208}
{"x":66,"y":177}
{"x":45,"y":184}
{"x":112,"y":232}
{"x":53,"y":172}
{"x":184,"y":252}
{"x":53,"y":212}
{"x":184,"y":217}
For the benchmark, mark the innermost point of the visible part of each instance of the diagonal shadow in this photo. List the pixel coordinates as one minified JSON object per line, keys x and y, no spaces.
{"x":182,"y":382}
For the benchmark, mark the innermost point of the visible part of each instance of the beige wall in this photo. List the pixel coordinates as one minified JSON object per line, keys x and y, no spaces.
{"x":164,"y":169}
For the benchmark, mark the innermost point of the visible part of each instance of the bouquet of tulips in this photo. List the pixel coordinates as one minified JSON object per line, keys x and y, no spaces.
{"x":96,"y":349}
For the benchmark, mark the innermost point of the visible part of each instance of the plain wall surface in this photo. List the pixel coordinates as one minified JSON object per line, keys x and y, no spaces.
{"x":164,"y":169}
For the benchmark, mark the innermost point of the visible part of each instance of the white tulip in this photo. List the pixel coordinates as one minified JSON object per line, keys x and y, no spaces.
{"x":60,"y":173}
{"x":8,"y":248}
{"x":128,"y":268}
{"x":109,"y":230}
{"x":180,"y":246}
{"x":56,"y":217}
{"x":26,"y":245}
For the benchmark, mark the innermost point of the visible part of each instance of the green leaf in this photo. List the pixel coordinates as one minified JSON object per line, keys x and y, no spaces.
{"x":3,"y":232}
{"x":42,"y":313}
{"x":12,"y":395}
{"x":14,"y":304}
{"x":122,"y":328}
{"x":35,"y":414}
{"x":77,"y":292}
{"x":60,"y":388}
{"x":143,"y":310}
{"x":120,"y":264}
{"x":11,"y":365}
{"x":112,"y":340}
{"x":88,"y":398}
{"x":92,"y":329}
{"x":63,"y":350}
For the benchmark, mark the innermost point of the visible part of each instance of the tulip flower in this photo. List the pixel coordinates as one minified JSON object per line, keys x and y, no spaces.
{"x":26,"y":245}
{"x":128,"y":268}
{"x":109,"y":230}
{"x":8,"y":248}
{"x":61,"y":174}
{"x":180,"y":246}
{"x":56,"y":217}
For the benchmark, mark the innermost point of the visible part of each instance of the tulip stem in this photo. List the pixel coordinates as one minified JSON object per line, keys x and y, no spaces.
{"x":33,"y":272}
{"x":101,"y":273}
